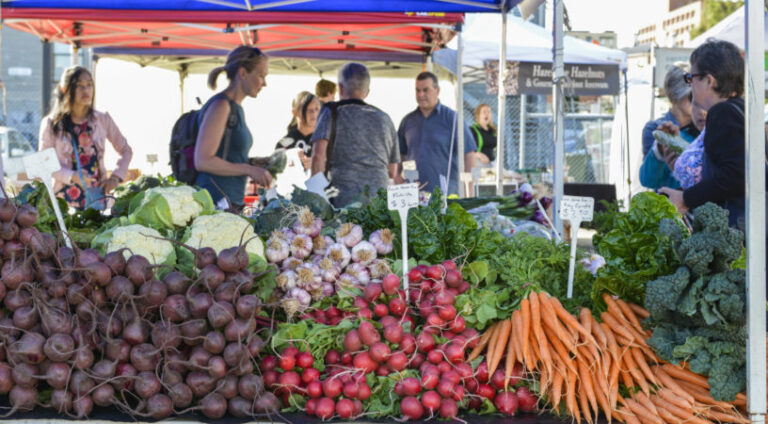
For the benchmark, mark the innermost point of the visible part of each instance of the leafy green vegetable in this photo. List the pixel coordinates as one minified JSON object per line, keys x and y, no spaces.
{"x":306,"y":333}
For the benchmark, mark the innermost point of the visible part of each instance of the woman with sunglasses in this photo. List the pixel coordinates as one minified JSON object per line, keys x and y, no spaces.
{"x":654,"y":172}
{"x":223,"y":164}
{"x":717,"y":83}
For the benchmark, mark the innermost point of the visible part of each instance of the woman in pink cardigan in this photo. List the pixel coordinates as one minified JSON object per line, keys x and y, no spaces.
{"x":74,"y":123}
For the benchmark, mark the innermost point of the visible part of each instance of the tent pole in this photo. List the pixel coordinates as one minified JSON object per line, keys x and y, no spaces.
{"x":755,"y":213}
{"x":182,"y":76}
{"x":459,"y":111}
{"x":558,"y":114}
{"x":626,"y":127}
{"x":501,"y":140}
{"x":523,"y":117}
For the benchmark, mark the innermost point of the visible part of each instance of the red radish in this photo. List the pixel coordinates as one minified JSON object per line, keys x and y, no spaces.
{"x":397,"y":306}
{"x":424,"y":342}
{"x":429,"y":380}
{"x":290,"y":351}
{"x":472,"y":385}
{"x":482,"y":372}
{"x":425,"y":308}
{"x":398,"y":389}
{"x":417,"y":359}
{"x":438,"y":286}
{"x":358,"y":406}
{"x":289,"y":381}
{"x":390,"y":284}
{"x":408,"y":343}
{"x":431,"y":401}
{"x":379,"y":352}
{"x":453,"y":278}
{"x":434,"y":320}
{"x":407,"y":319}
{"x":497,"y":380}
{"x":425,"y":286}
{"x":444,"y":367}
{"x":458,"y":393}
{"x":352,"y":342}
{"x":333,"y":312}
{"x":411,"y":386}
{"x":363,"y":361}
{"x":444,"y":298}
{"x":422,"y":269}
{"x":382,"y":371}
{"x":368,"y":333}
{"x":526,"y":400}
{"x":486,"y":391}
{"x":447,"y":313}
{"x":311,"y":407}
{"x":363,"y":392}
{"x":455,"y":353}
{"x":350,"y":390}
{"x":458,"y":325}
{"x":332,"y":357}
{"x":451,"y":376}
{"x":464,"y":286}
{"x":315,"y":389}
{"x":268,"y":363}
{"x":475,"y":403}
{"x":380,"y":310}
{"x":287,"y":363}
{"x":448,"y":408}
{"x":517,"y":373}
{"x":452,"y":291}
{"x":397,"y":361}
{"x":435,"y":356}
{"x":309,"y":375}
{"x":435,"y":272}
{"x":414,"y":275}
{"x":360,"y":303}
{"x":325,"y":408}
{"x":387,"y":320}
{"x":332,"y":387}
{"x":445,"y":388}
{"x":345,"y":408}
{"x":304,"y":360}
{"x":346,"y":358}
{"x":372,"y":291}
{"x":393,"y":333}
{"x":365,"y":313}
{"x":449,"y":265}
{"x":506,"y":403}
{"x":464,"y":370}
{"x":411,"y":408}
{"x":270,"y":378}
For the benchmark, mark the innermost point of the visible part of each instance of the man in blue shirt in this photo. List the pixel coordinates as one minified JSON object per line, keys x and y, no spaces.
{"x":425,"y":137}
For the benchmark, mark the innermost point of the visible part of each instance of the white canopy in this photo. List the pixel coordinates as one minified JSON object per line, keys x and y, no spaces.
{"x":526,"y":42}
{"x":729,"y":29}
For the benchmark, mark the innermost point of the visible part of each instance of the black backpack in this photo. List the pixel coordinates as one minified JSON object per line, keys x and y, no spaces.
{"x":183,"y":139}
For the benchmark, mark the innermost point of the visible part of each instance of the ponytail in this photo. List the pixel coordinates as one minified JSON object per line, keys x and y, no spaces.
{"x":214,"y":75}
{"x":241,"y":57}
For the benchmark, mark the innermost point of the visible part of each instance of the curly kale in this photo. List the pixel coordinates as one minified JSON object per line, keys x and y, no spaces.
{"x":661,"y":295}
{"x":673,"y":229}
{"x":713,"y":245}
{"x":709,"y":217}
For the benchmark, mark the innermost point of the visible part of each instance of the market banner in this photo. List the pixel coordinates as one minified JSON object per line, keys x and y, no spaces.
{"x":536,"y":78}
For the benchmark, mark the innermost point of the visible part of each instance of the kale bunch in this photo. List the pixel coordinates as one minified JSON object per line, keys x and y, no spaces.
{"x":698,"y":313}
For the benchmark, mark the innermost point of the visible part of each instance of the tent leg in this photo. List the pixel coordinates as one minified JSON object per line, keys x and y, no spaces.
{"x":558,"y":113}
{"x":460,"y":112}
{"x":523,"y":117}
{"x":755,"y":213}
{"x":501,"y":143}
{"x":182,"y":76}
{"x":626,"y":127}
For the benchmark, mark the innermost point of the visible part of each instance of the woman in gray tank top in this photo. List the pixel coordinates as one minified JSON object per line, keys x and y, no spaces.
{"x":223,"y":167}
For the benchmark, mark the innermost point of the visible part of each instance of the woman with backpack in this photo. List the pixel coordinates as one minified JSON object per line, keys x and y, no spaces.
{"x":224,"y":140}
{"x":75,"y":126}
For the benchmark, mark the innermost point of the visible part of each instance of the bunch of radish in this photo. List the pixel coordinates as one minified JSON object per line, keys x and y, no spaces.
{"x":314,"y":266}
{"x":329,"y":316}
{"x":105,"y":331}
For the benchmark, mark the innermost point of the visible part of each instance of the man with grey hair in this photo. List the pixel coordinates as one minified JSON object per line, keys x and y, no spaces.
{"x":655,"y":173}
{"x":354,"y":142}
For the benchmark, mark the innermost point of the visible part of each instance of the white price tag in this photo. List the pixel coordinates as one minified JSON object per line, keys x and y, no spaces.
{"x":42,"y":165}
{"x":403,"y":196}
{"x":411,"y":174}
{"x":575,"y":208}
{"x":400,"y":198}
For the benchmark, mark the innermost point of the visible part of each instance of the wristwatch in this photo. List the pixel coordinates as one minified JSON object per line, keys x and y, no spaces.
{"x":120,"y":180}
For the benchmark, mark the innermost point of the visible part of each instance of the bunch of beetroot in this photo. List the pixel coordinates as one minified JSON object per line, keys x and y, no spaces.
{"x":106,"y":331}
{"x":426,"y":335}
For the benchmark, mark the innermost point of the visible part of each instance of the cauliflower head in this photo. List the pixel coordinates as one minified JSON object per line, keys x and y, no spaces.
{"x":180,"y":200}
{"x":223,"y":230}
{"x":142,"y":241}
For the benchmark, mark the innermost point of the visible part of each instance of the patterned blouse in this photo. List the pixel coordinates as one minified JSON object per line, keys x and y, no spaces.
{"x":688,"y":165}
{"x":88,"y":154}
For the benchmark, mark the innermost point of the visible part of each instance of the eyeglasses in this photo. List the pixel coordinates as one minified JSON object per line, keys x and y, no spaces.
{"x":688,"y":78}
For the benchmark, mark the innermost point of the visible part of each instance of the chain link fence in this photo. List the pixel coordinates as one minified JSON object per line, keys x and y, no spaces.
{"x":587,"y":132}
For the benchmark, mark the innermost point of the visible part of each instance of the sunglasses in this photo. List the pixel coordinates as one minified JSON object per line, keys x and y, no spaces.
{"x":688,"y":78}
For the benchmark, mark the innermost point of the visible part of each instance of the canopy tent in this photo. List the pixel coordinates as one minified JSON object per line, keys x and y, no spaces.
{"x":732,"y":29}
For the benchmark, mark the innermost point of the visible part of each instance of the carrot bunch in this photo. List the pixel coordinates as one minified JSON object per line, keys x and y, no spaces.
{"x":580,"y":363}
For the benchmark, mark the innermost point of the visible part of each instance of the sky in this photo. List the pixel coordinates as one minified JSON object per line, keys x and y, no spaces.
{"x":623,"y":17}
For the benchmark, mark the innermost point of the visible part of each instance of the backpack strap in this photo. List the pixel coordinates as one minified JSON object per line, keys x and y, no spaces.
{"x":231,"y":123}
{"x":476,"y":129}
{"x":334,"y":107}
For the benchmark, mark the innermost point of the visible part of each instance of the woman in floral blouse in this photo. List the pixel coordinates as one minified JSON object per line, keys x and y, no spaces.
{"x":75,"y":124}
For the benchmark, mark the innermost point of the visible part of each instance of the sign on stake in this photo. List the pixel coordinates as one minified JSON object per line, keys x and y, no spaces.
{"x":401,"y":198}
{"x":576,"y":210}
{"x":42,"y":165}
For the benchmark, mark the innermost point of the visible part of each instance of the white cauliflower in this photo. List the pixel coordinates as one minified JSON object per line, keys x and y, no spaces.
{"x":181,"y":202}
{"x":142,"y":241}
{"x":223,"y":230}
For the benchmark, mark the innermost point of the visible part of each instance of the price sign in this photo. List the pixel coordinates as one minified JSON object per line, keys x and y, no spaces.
{"x":411,"y":174}
{"x":400,"y":198}
{"x":575,"y":208}
{"x":403,"y":196}
{"x":42,"y":165}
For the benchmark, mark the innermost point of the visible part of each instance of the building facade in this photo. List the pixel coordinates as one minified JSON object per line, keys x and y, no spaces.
{"x":605,"y":39}
{"x":674,"y":27}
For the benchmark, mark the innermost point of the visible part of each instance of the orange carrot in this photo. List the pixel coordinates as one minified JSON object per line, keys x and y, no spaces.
{"x":725,"y":417}
{"x":702,"y":396}
{"x":676,"y":399}
{"x":613,"y":384}
{"x":629,"y":417}
{"x":644,"y":415}
{"x":643,"y":400}
{"x":556,"y":389}
{"x":525,"y":315}
{"x":585,"y":319}
{"x":671,"y":384}
{"x":549,"y":318}
{"x":570,"y":396}
{"x":492,"y":342}
{"x":622,"y":330}
{"x":639,"y":359}
{"x":584,"y":402}
{"x":665,"y":415}
{"x":685,"y":375}
{"x":516,"y":337}
{"x":613,"y":348}
{"x":560,"y":351}
{"x":598,"y":332}
{"x":538,"y":333}
{"x":501,"y":344}
{"x":509,"y":363}
{"x":570,"y":321}
{"x":482,"y":343}
{"x":636,"y":374}
{"x":602,"y":398}
{"x":630,"y":314}
{"x":585,"y":381}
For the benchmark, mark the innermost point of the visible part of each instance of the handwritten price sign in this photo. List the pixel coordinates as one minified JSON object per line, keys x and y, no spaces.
{"x":403,"y":196}
{"x":576,"y":208}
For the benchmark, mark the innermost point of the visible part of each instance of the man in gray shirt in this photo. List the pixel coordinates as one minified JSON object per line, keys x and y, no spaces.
{"x":362,"y":149}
